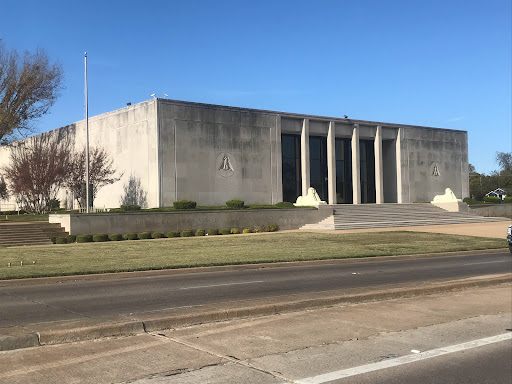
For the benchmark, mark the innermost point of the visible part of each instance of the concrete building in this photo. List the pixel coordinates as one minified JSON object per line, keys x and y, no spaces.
{"x":210,"y":154}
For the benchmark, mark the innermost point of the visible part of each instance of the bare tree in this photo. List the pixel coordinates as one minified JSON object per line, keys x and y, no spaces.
{"x":504,"y":160}
{"x":101,"y":173}
{"x":29,"y":86}
{"x":39,"y":167}
{"x":134,"y":194}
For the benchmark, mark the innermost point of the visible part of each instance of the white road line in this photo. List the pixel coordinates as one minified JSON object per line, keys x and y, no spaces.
{"x":337,"y":375}
{"x":489,"y":262}
{"x":223,"y":285}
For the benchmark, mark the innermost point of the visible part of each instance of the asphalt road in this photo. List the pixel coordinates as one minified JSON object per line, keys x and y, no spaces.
{"x":490,"y":364}
{"x":69,"y":300}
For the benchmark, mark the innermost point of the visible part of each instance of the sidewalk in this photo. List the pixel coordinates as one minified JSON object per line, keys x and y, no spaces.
{"x":493,"y":229}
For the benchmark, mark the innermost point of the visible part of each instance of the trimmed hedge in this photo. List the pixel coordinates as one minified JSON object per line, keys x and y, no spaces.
{"x":129,"y":207}
{"x":247,"y":230}
{"x":173,"y":234}
{"x":116,"y":237}
{"x":256,"y":229}
{"x":235,"y":203}
{"x":131,"y":236}
{"x":145,"y":236}
{"x":157,"y":235}
{"x":235,"y":231}
{"x":213,"y":232}
{"x":225,"y":231}
{"x":100,"y":238}
{"x":84,"y":239}
{"x":284,"y":204}
{"x":200,"y":232}
{"x":187,"y":233}
{"x":184,"y":204}
{"x":507,"y":200}
{"x":492,"y":199}
{"x":71,"y":239}
{"x":270,"y":228}
{"x":53,"y":239}
{"x":61,"y":240}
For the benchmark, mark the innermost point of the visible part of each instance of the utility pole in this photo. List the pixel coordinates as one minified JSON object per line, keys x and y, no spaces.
{"x":87,"y":192}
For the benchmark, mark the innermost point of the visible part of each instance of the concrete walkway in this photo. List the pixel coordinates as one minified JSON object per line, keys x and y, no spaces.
{"x":494,"y":229}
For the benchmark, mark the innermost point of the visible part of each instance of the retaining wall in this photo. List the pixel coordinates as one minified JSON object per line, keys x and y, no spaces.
{"x":491,"y":210}
{"x":177,"y":221}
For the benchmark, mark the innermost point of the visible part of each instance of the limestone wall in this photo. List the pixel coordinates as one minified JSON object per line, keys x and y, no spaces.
{"x":431,"y":161}
{"x":214,"y":154}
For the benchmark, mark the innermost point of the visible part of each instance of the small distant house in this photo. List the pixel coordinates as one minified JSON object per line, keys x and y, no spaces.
{"x":498,"y":192}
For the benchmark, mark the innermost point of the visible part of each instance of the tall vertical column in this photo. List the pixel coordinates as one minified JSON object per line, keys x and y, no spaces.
{"x":379,"y":175}
{"x":277,"y":163}
{"x":331,"y":163}
{"x":356,"y":166}
{"x":398,"y":167}
{"x":304,"y":156}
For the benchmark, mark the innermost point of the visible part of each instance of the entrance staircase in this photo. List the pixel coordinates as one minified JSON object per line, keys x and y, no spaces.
{"x":362,"y":216}
{"x":35,"y":233}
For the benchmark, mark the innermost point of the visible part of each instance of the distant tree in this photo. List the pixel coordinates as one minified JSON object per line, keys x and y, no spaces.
{"x":504,"y":160}
{"x":471,"y":168}
{"x":101,"y":173}
{"x":134,"y":194}
{"x":29,"y":86}
{"x":4,"y":194}
{"x":38,"y":168}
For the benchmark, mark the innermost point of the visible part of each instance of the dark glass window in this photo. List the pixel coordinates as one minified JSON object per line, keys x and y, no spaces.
{"x":367,"y":157}
{"x":292,"y":180}
{"x":318,"y":165}
{"x":343,"y":171}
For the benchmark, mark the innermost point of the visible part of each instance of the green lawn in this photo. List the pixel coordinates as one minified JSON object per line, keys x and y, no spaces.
{"x":22,"y":218}
{"x":223,"y":250}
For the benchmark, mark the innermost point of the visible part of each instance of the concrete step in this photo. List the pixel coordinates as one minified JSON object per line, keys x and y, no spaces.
{"x":16,"y":234}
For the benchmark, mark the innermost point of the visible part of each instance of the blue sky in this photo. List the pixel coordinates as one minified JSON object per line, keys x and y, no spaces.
{"x":435,"y":63}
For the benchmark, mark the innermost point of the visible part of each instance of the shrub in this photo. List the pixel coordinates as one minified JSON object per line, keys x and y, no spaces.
{"x":270,"y":228}
{"x":53,"y":239}
{"x":145,"y":235}
{"x":284,"y":204}
{"x":131,"y":236}
{"x":100,"y":238}
{"x":247,"y":230}
{"x":507,"y":200}
{"x":129,"y":207}
{"x":157,"y":235}
{"x":469,"y":200}
{"x":116,"y":237}
{"x":213,"y":232}
{"x":257,"y":229}
{"x":200,"y":232}
{"x":235,"y":203}
{"x":184,"y":204}
{"x":84,"y":239}
{"x":173,"y":234}
{"x":225,"y":231}
{"x":235,"y":231}
{"x":492,"y":199}
{"x":71,"y":238}
{"x":187,"y":233}
{"x":61,"y":240}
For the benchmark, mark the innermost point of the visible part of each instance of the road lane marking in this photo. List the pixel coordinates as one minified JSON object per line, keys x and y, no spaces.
{"x":337,"y":375}
{"x":223,"y":285}
{"x":489,"y":262}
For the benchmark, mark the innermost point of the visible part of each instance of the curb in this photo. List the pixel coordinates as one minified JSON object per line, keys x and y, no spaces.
{"x":131,"y":328}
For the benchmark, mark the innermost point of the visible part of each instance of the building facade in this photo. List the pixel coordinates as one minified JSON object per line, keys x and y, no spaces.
{"x":210,"y":154}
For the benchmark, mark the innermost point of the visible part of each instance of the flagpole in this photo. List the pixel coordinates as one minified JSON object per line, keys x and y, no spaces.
{"x":86,"y":142}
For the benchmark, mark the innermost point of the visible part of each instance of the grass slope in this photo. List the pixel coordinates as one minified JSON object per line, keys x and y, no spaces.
{"x":75,"y":259}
